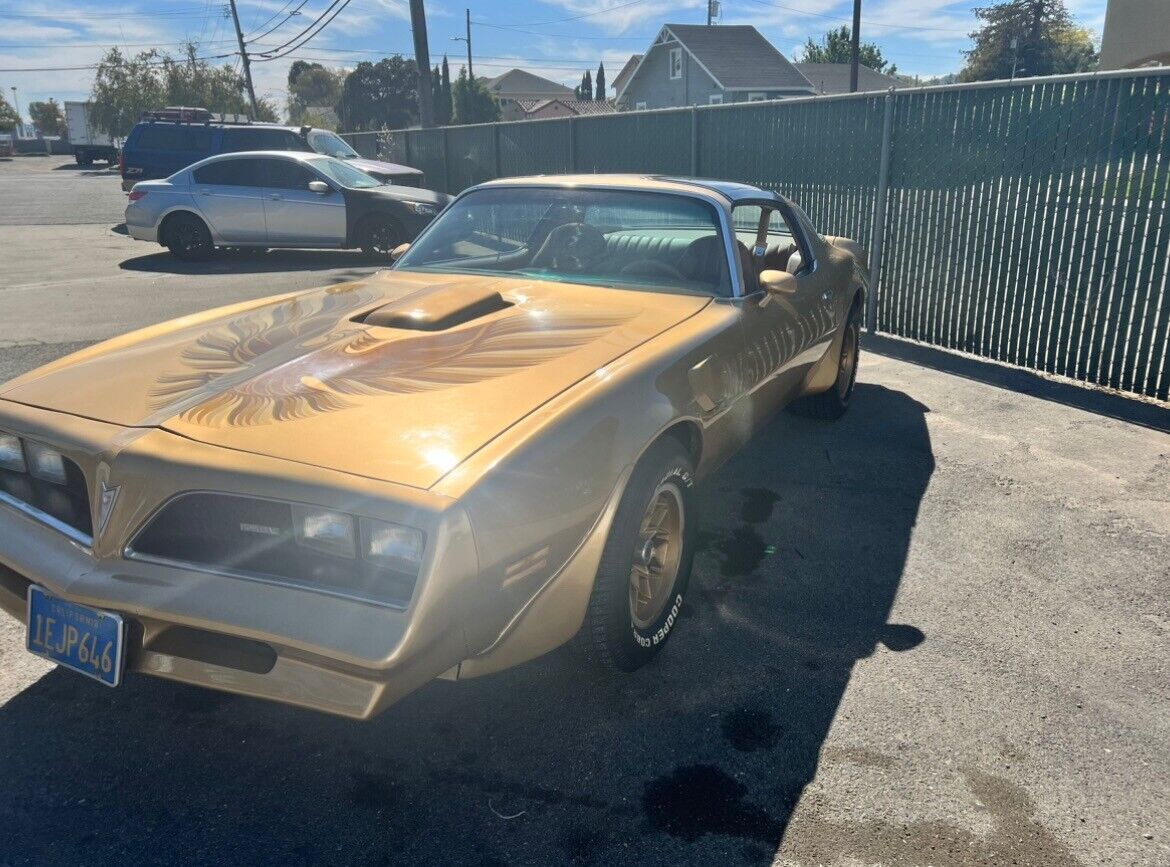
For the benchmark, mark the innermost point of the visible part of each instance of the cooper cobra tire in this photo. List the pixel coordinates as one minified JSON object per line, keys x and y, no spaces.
{"x":831,"y":404}
{"x":646,"y":563}
{"x":187,"y":237}
{"x":379,"y":235}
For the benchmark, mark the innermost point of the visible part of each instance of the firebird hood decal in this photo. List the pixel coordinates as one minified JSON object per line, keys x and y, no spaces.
{"x":302,"y":378}
{"x":327,"y":379}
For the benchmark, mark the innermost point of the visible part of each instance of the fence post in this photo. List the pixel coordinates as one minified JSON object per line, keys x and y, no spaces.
{"x":406,"y":148}
{"x":496,"y":149}
{"x":446,"y":163}
{"x":572,"y":145}
{"x":879,"y":216}
{"x":694,"y":142}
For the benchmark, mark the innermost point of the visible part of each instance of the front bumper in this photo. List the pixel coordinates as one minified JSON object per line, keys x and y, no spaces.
{"x":341,"y":655}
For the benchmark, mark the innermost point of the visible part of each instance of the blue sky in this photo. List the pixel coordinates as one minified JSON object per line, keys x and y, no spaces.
{"x":558,"y":39}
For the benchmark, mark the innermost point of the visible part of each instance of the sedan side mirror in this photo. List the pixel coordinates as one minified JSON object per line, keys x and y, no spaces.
{"x":398,"y":252}
{"x":777,"y":282}
{"x":319,"y":187}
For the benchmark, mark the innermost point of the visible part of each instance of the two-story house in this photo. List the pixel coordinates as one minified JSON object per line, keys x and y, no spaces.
{"x":691,"y":64}
{"x":519,"y":85}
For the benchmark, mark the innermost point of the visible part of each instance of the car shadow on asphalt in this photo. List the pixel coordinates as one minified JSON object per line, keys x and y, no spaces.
{"x":245,"y":261}
{"x":700,"y":757}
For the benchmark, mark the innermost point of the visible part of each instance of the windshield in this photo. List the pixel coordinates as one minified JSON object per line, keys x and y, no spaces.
{"x":345,"y":174}
{"x":330,"y":144}
{"x":631,"y":239}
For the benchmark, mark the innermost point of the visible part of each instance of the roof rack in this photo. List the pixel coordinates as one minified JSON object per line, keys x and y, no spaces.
{"x":190,"y":114}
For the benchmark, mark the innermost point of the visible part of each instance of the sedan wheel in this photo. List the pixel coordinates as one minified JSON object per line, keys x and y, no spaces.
{"x":187,"y":238}
{"x":657,"y":555}
{"x":380,"y":236}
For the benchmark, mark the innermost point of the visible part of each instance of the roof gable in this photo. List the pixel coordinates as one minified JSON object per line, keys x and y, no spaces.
{"x":830,"y":78}
{"x":738,"y":57}
{"x":522,"y":81}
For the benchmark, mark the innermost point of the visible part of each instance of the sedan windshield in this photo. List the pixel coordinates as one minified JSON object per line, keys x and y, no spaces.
{"x":345,"y":174}
{"x":330,"y":144}
{"x":630,"y":239}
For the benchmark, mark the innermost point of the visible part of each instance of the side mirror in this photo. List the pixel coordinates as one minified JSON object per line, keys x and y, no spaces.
{"x":777,"y":282}
{"x":319,"y":187}
{"x":398,"y":252}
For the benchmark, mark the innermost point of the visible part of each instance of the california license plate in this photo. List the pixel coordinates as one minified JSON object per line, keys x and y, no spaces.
{"x":84,"y":639}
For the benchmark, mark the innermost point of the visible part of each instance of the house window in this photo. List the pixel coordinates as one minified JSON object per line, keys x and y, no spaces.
{"x":640,"y":106}
{"x":675,"y":63}
{"x":757,"y":96}
{"x":715,"y":99}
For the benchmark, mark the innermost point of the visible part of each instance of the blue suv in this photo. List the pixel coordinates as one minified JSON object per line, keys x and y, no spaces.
{"x":164,"y":142}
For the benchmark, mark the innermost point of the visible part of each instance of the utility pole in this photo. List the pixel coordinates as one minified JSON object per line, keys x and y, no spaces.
{"x":244,"y":57}
{"x":422,"y":60}
{"x":467,"y":39}
{"x":19,"y":120}
{"x":855,"y":52}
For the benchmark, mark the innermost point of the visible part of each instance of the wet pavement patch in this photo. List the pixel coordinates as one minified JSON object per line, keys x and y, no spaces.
{"x":702,"y":799}
{"x":750,"y":729}
{"x":742,"y":552}
{"x":757,"y":504}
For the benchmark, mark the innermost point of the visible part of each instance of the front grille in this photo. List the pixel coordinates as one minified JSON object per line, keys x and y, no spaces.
{"x":252,"y":536}
{"x":66,"y":504}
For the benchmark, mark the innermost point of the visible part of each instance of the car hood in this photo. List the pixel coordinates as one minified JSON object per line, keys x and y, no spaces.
{"x":412,"y":194}
{"x":377,"y":167}
{"x":344,"y":378}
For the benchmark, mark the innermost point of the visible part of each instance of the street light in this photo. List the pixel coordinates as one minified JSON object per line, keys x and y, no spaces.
{"x":16,"y":105}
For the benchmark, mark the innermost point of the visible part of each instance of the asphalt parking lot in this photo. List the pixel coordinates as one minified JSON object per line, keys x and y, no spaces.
{"x":936,"y":632}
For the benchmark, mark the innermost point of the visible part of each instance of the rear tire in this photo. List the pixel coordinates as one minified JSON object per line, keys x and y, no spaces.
{"x":187,"y":237}
{"x":84,"y":159}
{"x":646,"y":563}
{"x":831,"y":405}
{"x":380,"y":234}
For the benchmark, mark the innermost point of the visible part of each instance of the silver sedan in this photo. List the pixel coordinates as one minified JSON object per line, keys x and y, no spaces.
{"x":277,"y":199}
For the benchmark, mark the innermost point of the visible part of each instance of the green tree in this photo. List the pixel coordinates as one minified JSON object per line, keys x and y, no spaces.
{"x":8,"y":116}
{"x":472,"y":101}
{"x":600,"y":95}
{"x":447,"y":89}
{"x":585,"y":89}
{"x":380,"y":95}
{"x":48,"y":118}
{"x":1047,"y":42}
{"x":836,"y":46}
{"x":313,"y":86}
{"x":124,"y":87}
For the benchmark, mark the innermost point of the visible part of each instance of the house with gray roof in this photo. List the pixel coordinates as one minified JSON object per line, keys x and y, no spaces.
{"x":692,"y":64}
{"x":830,"y":78}
{"x":518,"y":85}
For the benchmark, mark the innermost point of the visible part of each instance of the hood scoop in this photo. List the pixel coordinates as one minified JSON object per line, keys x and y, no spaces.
{"x":437,"y":308}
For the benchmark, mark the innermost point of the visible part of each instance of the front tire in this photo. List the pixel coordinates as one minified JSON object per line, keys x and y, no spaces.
{"x":380,"y":235}
{"x":187,"y":237}
{"x":831,"y":405}
{"x":646,"y":563}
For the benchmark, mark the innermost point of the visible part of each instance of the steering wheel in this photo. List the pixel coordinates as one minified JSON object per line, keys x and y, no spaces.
{"x":652,"y":268}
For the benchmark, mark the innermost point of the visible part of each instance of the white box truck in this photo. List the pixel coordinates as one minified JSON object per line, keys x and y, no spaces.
{"x":89,"y":145}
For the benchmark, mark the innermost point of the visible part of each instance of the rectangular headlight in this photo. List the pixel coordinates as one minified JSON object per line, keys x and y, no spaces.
{"x":328,"y":532}
{"x":45,"y":463}
{"x":11,"y":454}
{"x":392,"y":546}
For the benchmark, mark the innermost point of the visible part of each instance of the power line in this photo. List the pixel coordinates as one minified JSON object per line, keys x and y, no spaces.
{"x":316,"y":27}
{"x":561,"y":35}
{"x":280,"y":24}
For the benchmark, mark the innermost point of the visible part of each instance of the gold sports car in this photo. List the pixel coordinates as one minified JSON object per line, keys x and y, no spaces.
{"x":330,"y":498}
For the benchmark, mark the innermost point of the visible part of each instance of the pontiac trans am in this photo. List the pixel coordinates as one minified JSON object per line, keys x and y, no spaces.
{"x":330,"y":498}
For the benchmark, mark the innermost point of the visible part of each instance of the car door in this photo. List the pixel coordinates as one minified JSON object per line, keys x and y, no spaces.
{"x":229,"y":194}
{"x":296,"y":215}
{"x":783,"y":334}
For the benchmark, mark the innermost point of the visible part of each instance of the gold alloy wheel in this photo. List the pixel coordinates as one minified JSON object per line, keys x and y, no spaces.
{"x":845,"y":370}
{"x":657,"y":555}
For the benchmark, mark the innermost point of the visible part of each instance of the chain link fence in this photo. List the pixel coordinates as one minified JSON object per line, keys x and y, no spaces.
{"x":1026,"y":222}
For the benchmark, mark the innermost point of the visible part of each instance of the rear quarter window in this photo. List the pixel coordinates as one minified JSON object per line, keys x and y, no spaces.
{"x":174,"y":138}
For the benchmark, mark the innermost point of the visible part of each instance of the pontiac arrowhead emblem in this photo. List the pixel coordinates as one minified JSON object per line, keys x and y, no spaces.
{"x":109,"y":497}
